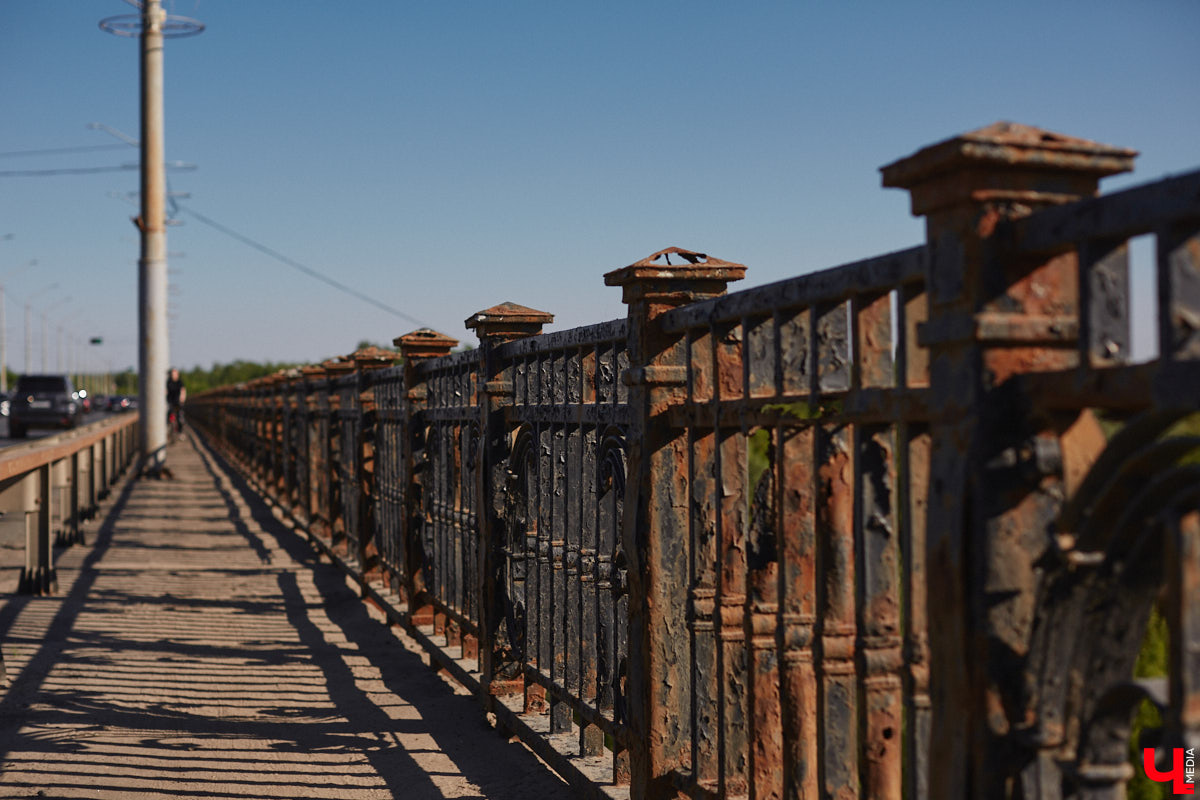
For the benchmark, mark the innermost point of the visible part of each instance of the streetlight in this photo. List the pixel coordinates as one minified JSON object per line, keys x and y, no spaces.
{"x":45,"y":338}
{"x":29,"y":323}
{"x":127,"y":139}
{"x":152,"y":26}
{"x":4,"y":324}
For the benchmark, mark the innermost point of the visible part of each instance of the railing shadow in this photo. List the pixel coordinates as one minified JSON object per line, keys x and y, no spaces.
{"x":498,"y":767}
{"x":196,"y":697}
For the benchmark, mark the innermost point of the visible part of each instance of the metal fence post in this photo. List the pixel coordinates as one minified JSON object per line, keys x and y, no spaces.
{"x":41,"y":574}
{"x":317,"y":502}
{"x":990,"y":318}
{"x":92,"y":491}
{"x":336,"y":368}
{"x":306,"y":400}
{"x":495,"y":326}
{"x":29,"y":507}
{"x":103,"y":466}
{"x":655,"y":530}
{"x":415,"y":347}
{"x":76,"y":530}
{"x":366,"y":360}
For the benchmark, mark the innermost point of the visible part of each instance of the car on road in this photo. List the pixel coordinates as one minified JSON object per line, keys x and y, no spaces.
{"x":43,"y":401}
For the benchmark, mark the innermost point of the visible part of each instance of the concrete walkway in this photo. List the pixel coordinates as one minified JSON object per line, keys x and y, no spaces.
{"x":198,"y":649}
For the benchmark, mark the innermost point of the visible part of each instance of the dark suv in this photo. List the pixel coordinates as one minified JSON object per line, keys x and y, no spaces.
{"x":43,"y":401}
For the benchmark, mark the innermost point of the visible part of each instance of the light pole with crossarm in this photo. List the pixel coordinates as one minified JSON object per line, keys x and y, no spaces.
{"x":152,"y":26}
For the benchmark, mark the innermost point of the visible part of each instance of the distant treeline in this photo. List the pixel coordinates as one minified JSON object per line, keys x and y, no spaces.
{"x":198,"y":379}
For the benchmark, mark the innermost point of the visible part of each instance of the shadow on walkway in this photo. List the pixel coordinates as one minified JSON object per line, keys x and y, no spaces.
{"x":199,"y":649}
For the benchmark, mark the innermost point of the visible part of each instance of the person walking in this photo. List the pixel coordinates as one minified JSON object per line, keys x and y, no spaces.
{"x":176,"y":397}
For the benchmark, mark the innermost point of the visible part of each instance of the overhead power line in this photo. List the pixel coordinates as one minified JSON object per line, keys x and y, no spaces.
{"x":88,"y":148}
{"x":294,"y":264}
{"x":37,"y":173}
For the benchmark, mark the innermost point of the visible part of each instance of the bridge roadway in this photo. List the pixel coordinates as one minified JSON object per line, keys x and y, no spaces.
{"x":41,"y":433}
{"x":198,"y":649}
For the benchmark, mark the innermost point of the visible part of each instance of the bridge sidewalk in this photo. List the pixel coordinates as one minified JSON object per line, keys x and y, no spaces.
{"x":197,"y":649}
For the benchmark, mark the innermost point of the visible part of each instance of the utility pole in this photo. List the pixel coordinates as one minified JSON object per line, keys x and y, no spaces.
{"x":153,"y":347}
{"x":152,"y":27}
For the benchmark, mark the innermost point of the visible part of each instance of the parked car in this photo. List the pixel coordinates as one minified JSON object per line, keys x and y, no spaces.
{"x":43,"y":401}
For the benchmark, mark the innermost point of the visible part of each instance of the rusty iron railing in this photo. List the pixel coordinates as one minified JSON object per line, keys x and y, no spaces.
{"x":892,"y":529}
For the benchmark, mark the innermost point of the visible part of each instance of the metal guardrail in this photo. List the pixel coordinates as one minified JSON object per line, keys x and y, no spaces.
{"x":49,"y":486}
{"x":866,"y":532}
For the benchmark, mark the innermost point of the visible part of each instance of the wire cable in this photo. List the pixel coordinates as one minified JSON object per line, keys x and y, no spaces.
{"x":294,"y":264}
{"x":88,"y":148}
{"x":38,"y":173}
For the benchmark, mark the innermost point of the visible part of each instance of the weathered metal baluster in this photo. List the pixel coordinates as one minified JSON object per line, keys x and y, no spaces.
{"x":610,"y":477}
{"x":323,"y":463}
{"x":573,"y":495}
{"x":254,"y":443}
{"x":591,"y":737}
{"x":876,"y":545}
{"x":656,"y":523}
{"x":279,"y":403}
{"x":798,"y":564}
{"x":391,"y":481}
{"x":287,"y":491}
{"x":733,"y":504}
{"x":270,"y":437}
{"x":472,"y":580}
{"x":622,"y":769}
{"x":1104,"y":335}
{"x":443,"y":471}
{"x":912,"y":490}
{"x":345,"y":511}
{"x":703,"y":545}
{"x":1179,"y":291}
{"x":835,"y":532}
{"x":556,"y":500}
{"x":456,"y":440}
{"x":546,"y":439}
{"x":766,"y":758}
{"x":395,"y":484}
{"x":313,"y":376}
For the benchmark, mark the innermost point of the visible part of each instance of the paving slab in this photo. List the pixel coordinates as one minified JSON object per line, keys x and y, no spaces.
{"x":198,"y":648}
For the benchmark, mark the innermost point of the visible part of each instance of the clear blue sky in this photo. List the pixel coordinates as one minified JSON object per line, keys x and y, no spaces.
{"x":446,"y":156}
